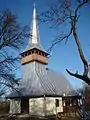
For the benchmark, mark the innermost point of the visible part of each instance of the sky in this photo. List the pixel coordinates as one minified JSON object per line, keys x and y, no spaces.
{"x":63,"y":56}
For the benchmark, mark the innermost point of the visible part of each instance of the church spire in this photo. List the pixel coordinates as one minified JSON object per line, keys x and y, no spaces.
{"x":34,"y":29}
{"x":34,"y":34}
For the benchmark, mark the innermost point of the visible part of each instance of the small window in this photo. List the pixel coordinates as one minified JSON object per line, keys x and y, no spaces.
{"x":25,"y":54}
{"x":29,"y":53}
{"x":32,"y":51}
{"x":40,"y":53}
{"x":37,"y":52}
{"x":57,"y":102}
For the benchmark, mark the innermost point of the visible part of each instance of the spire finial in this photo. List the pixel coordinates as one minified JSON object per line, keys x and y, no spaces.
{"x":34,"y":39}
{"x":34,"y":3}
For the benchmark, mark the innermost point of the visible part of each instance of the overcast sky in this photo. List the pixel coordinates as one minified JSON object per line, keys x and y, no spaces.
{"x":63,"y":56}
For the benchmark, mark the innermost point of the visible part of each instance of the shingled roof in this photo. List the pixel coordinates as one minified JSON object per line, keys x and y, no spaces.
{"x":38,"y":81}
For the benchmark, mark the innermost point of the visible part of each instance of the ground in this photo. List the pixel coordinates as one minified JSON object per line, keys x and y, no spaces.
{"x":27,"y":117}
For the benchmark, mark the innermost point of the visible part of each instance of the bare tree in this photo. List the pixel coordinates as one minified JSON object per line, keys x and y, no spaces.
{"x":12,"y":37}
{"x":67,"y":12}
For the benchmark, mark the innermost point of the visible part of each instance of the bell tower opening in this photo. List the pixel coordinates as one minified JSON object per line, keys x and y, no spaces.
{"x":34,"y":55}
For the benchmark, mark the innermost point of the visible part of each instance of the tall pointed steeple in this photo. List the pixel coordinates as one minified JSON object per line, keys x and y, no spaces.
{"x":34,"y":29}
{"x":34,"y":50}
{"x":34,"y":41}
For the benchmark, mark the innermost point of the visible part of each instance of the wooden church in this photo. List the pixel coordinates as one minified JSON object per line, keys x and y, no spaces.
{"x":41,"y":90}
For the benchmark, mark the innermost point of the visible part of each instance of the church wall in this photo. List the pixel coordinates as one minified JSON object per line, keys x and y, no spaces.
{"x":45,"y":106}
{"x":51,"y":105}
{"x":36,"y":106}
{"x":15,"y":106}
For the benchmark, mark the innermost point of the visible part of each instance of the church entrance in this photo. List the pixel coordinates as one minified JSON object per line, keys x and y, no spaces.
{"x":24,"y":105}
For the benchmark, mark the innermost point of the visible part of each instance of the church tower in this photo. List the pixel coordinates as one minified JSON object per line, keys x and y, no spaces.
{"x":34,"y":50}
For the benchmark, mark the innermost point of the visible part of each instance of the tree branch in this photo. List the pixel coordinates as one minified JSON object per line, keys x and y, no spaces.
{"x":81,"y":53}
{"x":82,"y":77}
{"x":58,"y":40}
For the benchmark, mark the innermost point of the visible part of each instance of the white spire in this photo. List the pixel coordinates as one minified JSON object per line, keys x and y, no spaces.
{"x":34,"y":30}
{"x":34,"y":35}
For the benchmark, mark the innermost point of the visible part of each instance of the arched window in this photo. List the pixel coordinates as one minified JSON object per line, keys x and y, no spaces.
{"x":29,"y":53}
{"x":36,"y":51}
{"x":40,"y":53}
{"x":33,"y":51}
